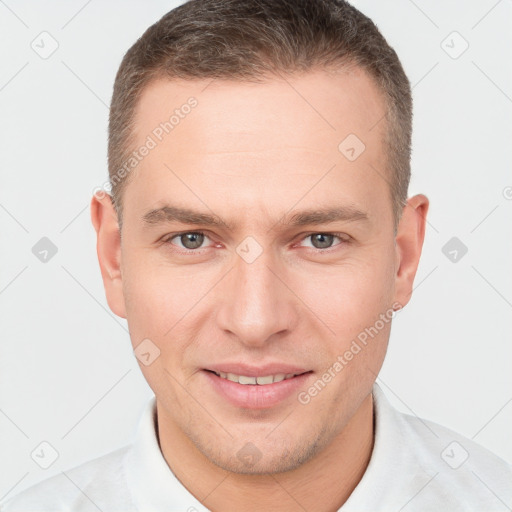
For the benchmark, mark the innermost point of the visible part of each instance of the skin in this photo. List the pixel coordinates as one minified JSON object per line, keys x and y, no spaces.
{"x":253,"y":155}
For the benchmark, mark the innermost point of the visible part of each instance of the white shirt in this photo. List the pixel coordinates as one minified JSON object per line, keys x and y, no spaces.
{"x":416,"y":465}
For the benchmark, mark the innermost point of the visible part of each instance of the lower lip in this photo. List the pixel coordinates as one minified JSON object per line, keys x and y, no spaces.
{"x":254,"y":396}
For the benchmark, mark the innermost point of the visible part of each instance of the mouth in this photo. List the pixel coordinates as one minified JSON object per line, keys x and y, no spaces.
{"x":256,"y":381}
{"x":261,"y":389}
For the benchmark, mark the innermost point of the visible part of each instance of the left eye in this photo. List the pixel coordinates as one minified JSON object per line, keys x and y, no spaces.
{"x":191,"y":240}
{"x":322,"y":240}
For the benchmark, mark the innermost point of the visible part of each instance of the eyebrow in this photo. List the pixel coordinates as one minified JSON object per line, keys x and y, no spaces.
{"x":184,"y":215}
{"x":323,"y":216}
{"x":167,"y":214}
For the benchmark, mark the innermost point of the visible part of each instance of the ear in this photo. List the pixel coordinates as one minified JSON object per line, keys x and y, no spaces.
{"x":105,"y":222}
{"x":409,"y":242}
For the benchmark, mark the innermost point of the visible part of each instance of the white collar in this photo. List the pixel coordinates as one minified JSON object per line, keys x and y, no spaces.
{"x":393,"y":459}
{"x":152,"y":483}
{"x":154,"y":487}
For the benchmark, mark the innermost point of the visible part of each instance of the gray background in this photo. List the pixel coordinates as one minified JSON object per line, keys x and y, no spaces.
{"x":67,"y":372}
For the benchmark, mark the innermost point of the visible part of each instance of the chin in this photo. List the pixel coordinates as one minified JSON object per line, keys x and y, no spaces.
{"x":263,"y":456}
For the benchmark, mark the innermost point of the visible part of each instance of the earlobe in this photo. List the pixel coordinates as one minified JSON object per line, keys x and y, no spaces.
{"x":409,"y":242}
{"x":108,"y":247}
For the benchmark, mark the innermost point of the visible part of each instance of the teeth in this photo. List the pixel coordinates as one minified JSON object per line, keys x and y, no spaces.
{"x":246,"y":380}
{"x":265,"y":380}
{"x":262,"y":381}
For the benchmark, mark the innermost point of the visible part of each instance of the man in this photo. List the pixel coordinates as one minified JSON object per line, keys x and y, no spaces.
{"x":259,"y":241}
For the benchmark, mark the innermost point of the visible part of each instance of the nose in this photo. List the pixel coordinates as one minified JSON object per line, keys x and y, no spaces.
{"x":256,"y":304}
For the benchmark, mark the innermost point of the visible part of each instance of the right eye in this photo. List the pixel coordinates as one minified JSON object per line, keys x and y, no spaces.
{"x":189,"y":240}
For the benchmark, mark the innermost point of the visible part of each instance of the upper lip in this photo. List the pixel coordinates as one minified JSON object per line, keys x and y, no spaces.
{"x":248,"y":370}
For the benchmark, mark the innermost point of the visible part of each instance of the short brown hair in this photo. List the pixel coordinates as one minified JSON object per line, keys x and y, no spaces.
{"x":251,"y":39}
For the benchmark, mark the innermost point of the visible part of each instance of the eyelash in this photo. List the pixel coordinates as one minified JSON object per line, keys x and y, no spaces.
{"x":343,"y":239}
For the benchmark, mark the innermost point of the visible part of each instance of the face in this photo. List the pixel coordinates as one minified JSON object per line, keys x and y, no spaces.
{"x":255,"y":253}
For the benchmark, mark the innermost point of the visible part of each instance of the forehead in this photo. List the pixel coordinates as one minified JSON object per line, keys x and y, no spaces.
{"x":264,"y":144}
{"x":323,"y":101}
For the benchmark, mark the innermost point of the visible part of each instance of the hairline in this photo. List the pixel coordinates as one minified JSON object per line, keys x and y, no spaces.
{"x":340,"y":65}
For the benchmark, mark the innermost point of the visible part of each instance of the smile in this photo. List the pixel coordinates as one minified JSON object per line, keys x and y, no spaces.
{"x":260,"y":381}
{"x":261,"y":390}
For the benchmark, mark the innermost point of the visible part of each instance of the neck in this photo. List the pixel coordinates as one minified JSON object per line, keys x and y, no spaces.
{"x":322,"y":484}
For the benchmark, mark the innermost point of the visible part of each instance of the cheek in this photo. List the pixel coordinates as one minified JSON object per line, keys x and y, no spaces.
{"x":157,"y":305}
{"x":356,"y":303}
{"x":154,"y":300}
{"x":164,"y":304}
{"x":349,"y":298}
{"x":145,"y":298}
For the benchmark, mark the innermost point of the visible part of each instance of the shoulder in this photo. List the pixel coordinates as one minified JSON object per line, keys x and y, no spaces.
{"x":93,"y":485}
{"x":419,"y":465}
{"x":459,"y":470}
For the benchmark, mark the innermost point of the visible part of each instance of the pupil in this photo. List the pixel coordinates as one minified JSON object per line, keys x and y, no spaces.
{"x":192,"y":240}
{"x":322,"y":241}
